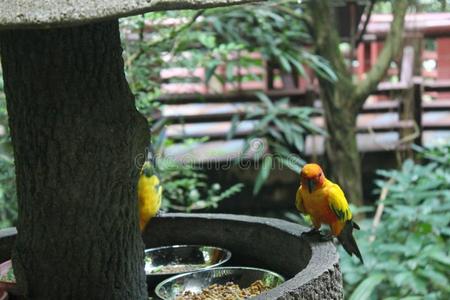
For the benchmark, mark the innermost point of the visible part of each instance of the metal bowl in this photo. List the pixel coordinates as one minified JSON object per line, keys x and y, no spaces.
{"x":163,"y":262}
{"x":196,"y":281}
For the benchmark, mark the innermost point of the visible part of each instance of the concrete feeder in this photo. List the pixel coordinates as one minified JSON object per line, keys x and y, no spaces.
{"x":310,"y":267}
{"x":76,"y":135}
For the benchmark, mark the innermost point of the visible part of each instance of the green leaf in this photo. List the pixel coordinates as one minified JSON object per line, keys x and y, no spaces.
{"x":275,"y":134}
{"x":366,"y":287}
{"x":285,"y":63}
{"x":292,"y":164}
{"x":229,"y":71}
{"x":298,"y":66}
{"x":263,"y":174}
{"x":436,"y":278}
{"x":211,"y":70}
{"x":234,"y":126}
{"x":298,"y":142}
{"x":440,"y":257}
{"x":266,"y":100}
{"x":320,"y":66}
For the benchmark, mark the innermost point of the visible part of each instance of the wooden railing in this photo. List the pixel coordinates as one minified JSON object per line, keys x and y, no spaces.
{"x":198,"y":115}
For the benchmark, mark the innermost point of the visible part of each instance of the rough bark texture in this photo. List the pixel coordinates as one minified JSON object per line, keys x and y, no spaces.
{"x":76,"y":134}
{"x":343,"y":100}
{"x":341,"y":148}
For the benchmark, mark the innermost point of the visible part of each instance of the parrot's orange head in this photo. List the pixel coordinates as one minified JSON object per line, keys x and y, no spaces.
{"x":312,"y":177}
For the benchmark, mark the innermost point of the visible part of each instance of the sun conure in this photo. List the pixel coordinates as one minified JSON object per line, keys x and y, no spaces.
{"x":149,"y":194}
{"x":325,"y":202}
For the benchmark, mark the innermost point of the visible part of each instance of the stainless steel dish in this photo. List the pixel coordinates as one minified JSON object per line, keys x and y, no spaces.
{"x":196,"y":281}
{"x":163,"y":262}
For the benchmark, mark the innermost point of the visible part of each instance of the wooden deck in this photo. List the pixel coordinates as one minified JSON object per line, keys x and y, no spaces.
{"x":229,"y":151}
{"x":393,"y":112}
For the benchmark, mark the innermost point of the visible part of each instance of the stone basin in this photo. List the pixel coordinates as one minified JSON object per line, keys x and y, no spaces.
{"x":310,"y":267}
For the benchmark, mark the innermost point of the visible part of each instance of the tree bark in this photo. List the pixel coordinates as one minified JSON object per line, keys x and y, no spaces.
{"x":76,"y":134}
{"x":341,"y":148}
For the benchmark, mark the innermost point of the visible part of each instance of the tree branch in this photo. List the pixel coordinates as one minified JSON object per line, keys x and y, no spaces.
{"x":366,"y":22}
{"x":170,"y":36}
{"x":391,"y":47}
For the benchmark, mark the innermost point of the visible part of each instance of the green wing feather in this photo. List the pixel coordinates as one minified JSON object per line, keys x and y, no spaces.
{"x":338,"y":203}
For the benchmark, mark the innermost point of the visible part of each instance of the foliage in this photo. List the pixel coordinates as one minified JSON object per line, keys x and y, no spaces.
{"x":409,"y":257}
{"x":221,"y":41}
{"x":186,"y":188}
{"x":273,"y":29}
{"x":419,"y":6}
{"x":8,"y":201}
{"x":284,"y":128}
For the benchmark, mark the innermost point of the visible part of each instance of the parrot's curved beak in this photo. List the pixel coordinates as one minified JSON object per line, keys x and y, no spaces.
{"x":311,"y":185}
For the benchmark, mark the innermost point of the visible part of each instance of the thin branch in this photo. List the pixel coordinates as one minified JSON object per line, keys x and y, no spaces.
{"x":391,"y":47}
{"x":380,"y":208}
{"x":361,"y":32}
{"x":170,"y":36}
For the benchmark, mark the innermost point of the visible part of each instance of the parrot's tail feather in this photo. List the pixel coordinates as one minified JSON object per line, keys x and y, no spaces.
{"x":348,"y":241}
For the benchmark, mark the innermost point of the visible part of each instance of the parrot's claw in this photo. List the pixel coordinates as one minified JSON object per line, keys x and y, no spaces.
{"x":312,"y":232}
{"x":327,"y":237}
{"x":159,"y":214}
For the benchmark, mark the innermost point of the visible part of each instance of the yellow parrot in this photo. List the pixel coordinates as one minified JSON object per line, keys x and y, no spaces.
{"x":325,"y":202}
{"x":149,"y":194}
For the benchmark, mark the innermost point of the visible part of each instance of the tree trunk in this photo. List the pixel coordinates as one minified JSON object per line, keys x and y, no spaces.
{"x":76,"y":135}
{"x":342,"y":100}
{"x":341,"y":148}
{"x":342,"y":151}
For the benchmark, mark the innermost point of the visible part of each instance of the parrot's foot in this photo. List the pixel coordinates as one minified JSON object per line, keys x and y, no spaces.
{"x":326,"y":237}
{"x":323,"y":237}
{"x":312,"y":232}
{"x":159,"y":214}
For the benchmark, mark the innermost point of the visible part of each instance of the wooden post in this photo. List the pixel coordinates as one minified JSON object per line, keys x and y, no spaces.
{"x":361,"y":55}
{"x":270,"y":76}
{"x":443,"y":66}
{"x":406,"y":104}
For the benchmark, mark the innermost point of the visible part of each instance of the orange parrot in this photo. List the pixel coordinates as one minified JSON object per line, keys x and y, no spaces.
{"x":325,"y":202}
